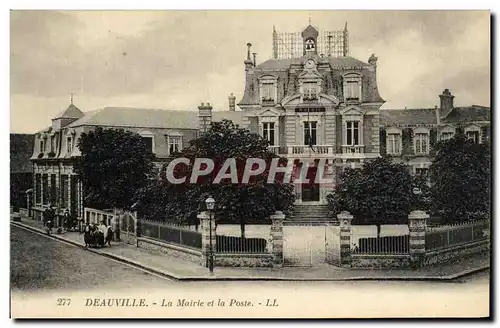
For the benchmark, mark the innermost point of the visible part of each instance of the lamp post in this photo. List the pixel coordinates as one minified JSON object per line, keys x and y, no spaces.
{"x":210,"y":202}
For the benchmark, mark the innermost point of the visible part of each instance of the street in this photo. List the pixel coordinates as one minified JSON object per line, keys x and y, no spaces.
{"x":40,"y":263}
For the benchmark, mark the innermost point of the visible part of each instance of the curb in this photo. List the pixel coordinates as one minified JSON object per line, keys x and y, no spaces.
{"x":175,"y":277}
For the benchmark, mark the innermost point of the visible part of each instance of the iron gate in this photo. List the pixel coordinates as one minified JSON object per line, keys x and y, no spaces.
{"x":309,"y":243}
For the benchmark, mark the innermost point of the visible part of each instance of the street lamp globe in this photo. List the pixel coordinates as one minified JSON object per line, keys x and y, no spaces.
{"x":210,"y":202}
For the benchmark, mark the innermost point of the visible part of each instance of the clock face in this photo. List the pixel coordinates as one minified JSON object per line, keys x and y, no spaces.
{"x":310,"y":63}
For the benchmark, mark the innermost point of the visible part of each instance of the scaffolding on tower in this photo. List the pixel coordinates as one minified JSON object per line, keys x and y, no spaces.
{"x":329,"y":43}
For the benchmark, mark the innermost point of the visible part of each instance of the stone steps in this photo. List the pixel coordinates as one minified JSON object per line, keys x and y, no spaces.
{"x":311,"y":213}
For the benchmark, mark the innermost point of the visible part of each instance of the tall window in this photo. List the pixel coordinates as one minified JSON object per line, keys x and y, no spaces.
{"x":52,"y":143}
{"x":53,"y":189}
{"x":268,"y":132}
{"x":421,"y":143}
{"x":267,"y":91}
{"x":310,"y":133}
{"x":69,"y":145}
{"x":149,"y":143}
{"x":352,"y":133}
{"x":473,"y":135}
{"x":38,"y":188}
{"x":352,"y":91}
{"x":446,"y":136}
{"x":42,"y":146}
{"x":310,"y":90}
{"x":174,"y":144}
{"x":45,"y":189}
{"x":394,"y":143}
{"x":64,"y":191}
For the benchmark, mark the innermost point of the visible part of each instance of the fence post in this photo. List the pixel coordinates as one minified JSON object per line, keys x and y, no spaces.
{"x":345,"y":219}
{"x":277,"y":238}
{"x":205,"y":237}
{"x":417,"y":227}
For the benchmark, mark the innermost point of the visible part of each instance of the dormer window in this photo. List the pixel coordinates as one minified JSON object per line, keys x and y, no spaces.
{"x":267,"y":92}
{"x":42,"y":146}
{"x":310,"y":90}
{"x":421,"y":141}
{"x":352,"y":88}
{"x":69,"y":144}
{"x":174,"y":142}
{"x":394,"y":141}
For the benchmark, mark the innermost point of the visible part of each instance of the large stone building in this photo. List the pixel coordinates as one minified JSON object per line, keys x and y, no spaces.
{"x":311,"y":101}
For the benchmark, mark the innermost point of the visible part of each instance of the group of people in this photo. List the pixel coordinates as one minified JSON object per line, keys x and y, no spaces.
{"x":66,"y":221}
{"x":97,"y":235}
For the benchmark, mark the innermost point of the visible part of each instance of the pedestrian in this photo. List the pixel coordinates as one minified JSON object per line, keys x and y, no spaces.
{"x":86,"y":236}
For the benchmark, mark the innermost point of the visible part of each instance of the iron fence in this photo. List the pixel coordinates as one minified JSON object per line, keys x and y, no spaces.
{"x":171,"y":234}
{"x":380,"y":245}
{"x":440,"y":237}
{"x":232,"y":244}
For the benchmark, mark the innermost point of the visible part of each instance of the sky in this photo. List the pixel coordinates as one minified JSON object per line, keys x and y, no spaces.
{"x":178,"y":59}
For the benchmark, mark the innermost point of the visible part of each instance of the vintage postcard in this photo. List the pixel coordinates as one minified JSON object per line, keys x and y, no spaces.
{"x":250,"y":164}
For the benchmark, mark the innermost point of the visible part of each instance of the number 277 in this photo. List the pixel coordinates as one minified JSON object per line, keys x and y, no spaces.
{"x":63,"y":301}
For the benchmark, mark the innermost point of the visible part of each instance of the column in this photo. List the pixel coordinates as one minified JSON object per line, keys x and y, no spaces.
{"x":345,"y":219}
{"x":204,"y":218}
{"x":277,"y":238}
{"x":35,"y":169}
{"x":417,"y":226}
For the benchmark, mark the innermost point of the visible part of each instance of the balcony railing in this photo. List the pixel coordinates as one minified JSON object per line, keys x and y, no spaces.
{"x":274,"y":149}
{"x":353,"y":149}
{"x":306,"y":149}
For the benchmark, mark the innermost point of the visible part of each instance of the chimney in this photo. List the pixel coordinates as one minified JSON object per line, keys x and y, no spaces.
{"x":204,"y":116}
{"x":232,"y":102}
{"x":446,"y":103}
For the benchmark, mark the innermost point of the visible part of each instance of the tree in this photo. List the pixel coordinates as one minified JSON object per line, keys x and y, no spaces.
{"x":381,"y":192}
{"x":238,"y":203}
{"x":113,"y":165}
{"x":461,"y":179}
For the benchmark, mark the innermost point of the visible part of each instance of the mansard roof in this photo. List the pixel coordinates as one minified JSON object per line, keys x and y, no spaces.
{"x":336,"y":63}
{"x":472,"y":113}
{"x":139,"y":117}
{"x":413,"y":116}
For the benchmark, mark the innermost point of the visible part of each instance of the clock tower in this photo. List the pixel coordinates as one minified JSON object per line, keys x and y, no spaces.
{"x":310,"y":37}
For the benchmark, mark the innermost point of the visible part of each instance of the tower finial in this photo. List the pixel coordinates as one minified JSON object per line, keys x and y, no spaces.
{"x":71,"y":98}
{"x":309,"y":18}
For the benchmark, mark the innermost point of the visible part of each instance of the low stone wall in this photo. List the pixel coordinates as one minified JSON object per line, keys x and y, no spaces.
{"x":128,"y":239}
{"x":449,"y":254}
{"x":178,"y":251}
{"x":244,"y":260}
{"x":23,"y":211}
{"x":382,"y":261}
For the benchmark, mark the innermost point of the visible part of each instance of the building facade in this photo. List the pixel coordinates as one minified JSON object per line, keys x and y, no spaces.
{"x":55,"y":148}
{"x":313,"y":102}
{"x":317,"y":102}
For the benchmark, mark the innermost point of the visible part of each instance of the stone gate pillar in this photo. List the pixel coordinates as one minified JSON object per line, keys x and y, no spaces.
{"x":417,"y":225}
{"x":277,"y":238}
{"x":204,"y":218}
{"x":345,"y":219}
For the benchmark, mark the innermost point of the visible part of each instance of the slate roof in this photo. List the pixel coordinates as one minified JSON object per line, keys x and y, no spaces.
{"x":21,"y":149}
{"x":139,"y":117}
{"x":472,"y":113}
{"x":335,"y":62}
{"x":412,"y":116}
{"x":71,"y":112}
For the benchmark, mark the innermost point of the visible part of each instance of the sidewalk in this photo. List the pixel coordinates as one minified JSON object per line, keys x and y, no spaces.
{"x":182,"y":270}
